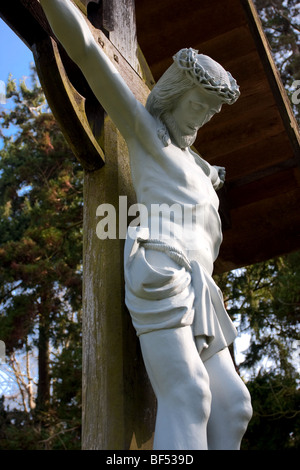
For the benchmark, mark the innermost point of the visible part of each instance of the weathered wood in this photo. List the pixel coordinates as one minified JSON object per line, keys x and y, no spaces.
{"x":247,"y":132}
{"x":241,"y":164}
{"x":118,"y":402}
{"x":72,"y":115}
{"x":265,"y":187}
{"x":267,"y":239}
{"x":166,"y":26}
{"x":123,"y":36}
{"x":70,"y":98}
{"x":79,"y":113}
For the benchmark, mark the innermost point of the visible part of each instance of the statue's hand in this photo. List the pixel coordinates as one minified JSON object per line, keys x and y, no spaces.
{"x":221,"y":173}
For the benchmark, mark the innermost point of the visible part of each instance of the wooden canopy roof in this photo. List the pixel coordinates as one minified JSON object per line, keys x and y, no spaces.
{"x":256,"y":139}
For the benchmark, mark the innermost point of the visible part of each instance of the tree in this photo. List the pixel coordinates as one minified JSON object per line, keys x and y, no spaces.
{"x":264,"y":299}
{"x":275,"y":424}
{"x":41,"y":252}
{"x":281,"y":24}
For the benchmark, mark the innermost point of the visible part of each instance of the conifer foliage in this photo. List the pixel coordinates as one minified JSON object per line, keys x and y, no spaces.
{"x":40,"y":267}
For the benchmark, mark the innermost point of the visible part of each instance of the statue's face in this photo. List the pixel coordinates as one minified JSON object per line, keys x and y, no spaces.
{"x":194,"y":109}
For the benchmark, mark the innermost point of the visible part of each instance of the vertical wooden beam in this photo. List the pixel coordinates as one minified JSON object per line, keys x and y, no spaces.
{"x":123,"y":36}
{"x":118,"y":402}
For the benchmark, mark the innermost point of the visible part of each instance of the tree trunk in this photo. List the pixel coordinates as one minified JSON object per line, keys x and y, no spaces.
{"x":43,"y":393}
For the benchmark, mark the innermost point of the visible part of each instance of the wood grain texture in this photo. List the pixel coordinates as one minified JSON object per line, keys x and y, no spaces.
{"x":119,"y":406}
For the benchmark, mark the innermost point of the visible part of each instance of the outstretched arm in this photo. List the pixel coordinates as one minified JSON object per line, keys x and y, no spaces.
{"x":71,"y":29}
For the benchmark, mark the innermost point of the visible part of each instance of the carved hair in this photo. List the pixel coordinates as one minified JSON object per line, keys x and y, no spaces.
{"x":204,"y":71}
{"x":191,"y":69}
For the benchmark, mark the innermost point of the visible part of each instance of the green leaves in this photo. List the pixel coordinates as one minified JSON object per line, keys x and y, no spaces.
{"x":41,"y":204}
{"x":265,"y":300}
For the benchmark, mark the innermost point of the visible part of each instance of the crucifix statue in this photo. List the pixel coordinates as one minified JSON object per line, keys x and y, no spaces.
{"x":175,"y":306}
{"x":176,"y":309}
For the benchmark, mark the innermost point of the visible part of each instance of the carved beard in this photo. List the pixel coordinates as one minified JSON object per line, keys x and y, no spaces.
{"x":183,"y":141}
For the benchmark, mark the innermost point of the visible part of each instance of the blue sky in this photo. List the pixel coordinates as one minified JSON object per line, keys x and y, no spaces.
{"x":15,"y":57}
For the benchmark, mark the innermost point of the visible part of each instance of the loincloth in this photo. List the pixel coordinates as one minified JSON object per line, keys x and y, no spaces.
{"x":173,"y":295}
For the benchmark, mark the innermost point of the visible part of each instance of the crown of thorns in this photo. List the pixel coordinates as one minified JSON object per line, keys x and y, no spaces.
{"x":188,"y":60}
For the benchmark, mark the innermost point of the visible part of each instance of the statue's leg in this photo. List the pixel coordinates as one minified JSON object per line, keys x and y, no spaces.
{"x":181,"y":385}
{"x":231,"y":408}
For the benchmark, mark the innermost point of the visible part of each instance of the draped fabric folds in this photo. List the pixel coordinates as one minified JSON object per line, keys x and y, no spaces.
{"x":174,"y":295}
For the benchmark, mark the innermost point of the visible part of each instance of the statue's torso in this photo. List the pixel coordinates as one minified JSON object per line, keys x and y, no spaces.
{"x":180,"y":180}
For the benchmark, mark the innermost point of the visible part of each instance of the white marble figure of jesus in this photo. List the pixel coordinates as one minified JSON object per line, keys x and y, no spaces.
{"x":176,"y":308}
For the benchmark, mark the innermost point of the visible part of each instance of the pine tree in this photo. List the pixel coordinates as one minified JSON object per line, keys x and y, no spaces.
{"x":41,"y":249}
{"x":264,"y":300}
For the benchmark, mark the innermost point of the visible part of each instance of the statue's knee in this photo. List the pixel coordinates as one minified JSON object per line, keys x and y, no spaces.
{"x":247,"y":408}
{"x":193,"y":395}
{"x":241,"y":410}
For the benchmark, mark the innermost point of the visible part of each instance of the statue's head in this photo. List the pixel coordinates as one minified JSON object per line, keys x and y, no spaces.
{"x":196,"y":81}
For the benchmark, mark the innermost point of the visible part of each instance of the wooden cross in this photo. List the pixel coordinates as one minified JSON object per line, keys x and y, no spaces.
{"x":118,"y":402}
